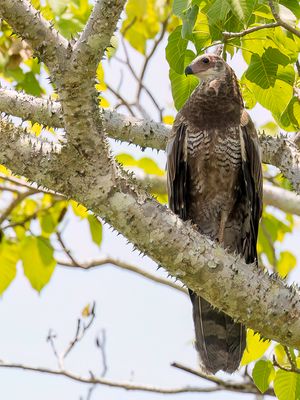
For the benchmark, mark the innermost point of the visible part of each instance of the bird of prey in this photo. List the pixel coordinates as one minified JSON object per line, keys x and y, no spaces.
{"x":215,"y":181}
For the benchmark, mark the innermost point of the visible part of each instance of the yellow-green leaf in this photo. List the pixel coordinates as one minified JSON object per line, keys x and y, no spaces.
{"x":150,"y":167}
{"x":126,"y":160}
{"x":255,"y":347}
{"x":9,"y":256}
{"x":287,"y":261}
{"x":287,"y":385}
{"x":263,"y":373}
{"x":95,"y":229}
{"x":38,"y":261}
{"x":79,"y":209}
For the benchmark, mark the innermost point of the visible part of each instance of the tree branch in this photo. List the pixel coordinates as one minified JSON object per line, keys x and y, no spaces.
{"x":123,"y":265}
{"x":280,"y":152}
{"x":283,"y":199}
{"x":229,"y":35}
{"x":246,"y":387}
{"x":284,"y":154}
{"x":123,"y":385}
{"x":89,"y":49}
{"x":281,"y":22}
{"x":38,"y":32}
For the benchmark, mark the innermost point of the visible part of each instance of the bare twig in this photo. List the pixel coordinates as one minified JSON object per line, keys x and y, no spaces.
{"x":121,"y":98}
{"x":101,"y":343}
{"x":123,"y":385}
{"x":230,"y":35}
{"x":149,"y":56}
{"x":67,"y":251}
{"x":81,"y":330}
{"x":122,"y":265}
{"x":244,"y":387}
{"x":51,"y":339}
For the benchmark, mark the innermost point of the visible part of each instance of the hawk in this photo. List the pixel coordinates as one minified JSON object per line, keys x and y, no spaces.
{"x":215,"y":180}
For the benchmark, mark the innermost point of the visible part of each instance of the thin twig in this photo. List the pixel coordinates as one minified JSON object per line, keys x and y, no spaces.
{"x":80,"y":332}
{"x":245,"y":387}
{"x":230,"y":35}
{"x":126,"y":385}
{"x":67,"y":251}
{"x":101,"y":343}
{"x":20,"y":197}
{"x":121,"y":98}
{"x":123,"y":265}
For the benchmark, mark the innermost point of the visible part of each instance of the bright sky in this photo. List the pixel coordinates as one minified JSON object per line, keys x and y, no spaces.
{"x":147,"y":326}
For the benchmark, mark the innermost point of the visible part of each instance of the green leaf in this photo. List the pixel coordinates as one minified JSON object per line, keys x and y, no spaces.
{"x":201,"y":34}
{"x":274,"y":98}
{"x":261,"y":72}
{"x":218,"y":11}
{"x":95,"y":229}
{"x":38,"y":260}
{"x":176,"y":50}
{"x":263,"y":373}
{"x":9,"y":256}
{"x":179,"y":6}
{"x":189,"y":18}
{"x":287,"y":261}
{"x":30,"y":84}
{"x":287,"y":385}
{"x":182,"y":86}
{"x":255,"y":348}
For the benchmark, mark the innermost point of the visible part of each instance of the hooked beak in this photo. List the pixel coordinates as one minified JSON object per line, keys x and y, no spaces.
{"x":188,"y":71}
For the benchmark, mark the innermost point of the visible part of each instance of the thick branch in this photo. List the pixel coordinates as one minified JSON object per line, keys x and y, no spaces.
{"x":25,"y":155}
{"x":284,"y":154}
{"x":36,"y":109}
{"x":283,"y":199}
{"x":96,"y":36}
{"x":31,"y":26}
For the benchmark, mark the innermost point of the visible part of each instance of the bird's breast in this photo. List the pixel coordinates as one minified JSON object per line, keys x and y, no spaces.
{"x":214,"y":160}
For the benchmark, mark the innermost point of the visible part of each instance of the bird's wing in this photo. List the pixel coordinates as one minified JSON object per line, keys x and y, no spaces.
{"x":177,"y":168}
{"x":252,"y":175}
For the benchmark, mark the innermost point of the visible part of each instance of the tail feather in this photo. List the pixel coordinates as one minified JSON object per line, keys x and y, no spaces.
{"x":219,"y":340}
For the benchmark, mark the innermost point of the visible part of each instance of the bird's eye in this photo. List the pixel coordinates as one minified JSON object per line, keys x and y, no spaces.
{"x":205,"y":60}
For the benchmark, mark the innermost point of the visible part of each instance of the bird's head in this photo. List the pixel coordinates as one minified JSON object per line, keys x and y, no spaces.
{"x":207,"y":67}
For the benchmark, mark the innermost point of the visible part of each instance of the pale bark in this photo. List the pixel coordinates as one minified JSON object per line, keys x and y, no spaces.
{"x":84,"y":171}
{"x":281,"y":151}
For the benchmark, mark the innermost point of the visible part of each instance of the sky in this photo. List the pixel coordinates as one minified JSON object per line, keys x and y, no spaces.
{"x":147,"y":325}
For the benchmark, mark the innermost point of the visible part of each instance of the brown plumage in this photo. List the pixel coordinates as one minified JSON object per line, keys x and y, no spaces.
{"x":215,"y":180}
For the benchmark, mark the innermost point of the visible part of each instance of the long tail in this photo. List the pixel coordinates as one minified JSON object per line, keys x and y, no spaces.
{"x":219,"y":340}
